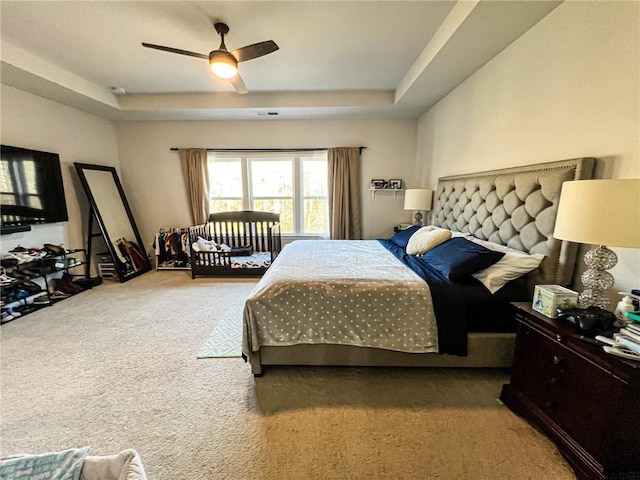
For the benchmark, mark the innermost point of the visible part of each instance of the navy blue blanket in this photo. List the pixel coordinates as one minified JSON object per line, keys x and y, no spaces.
{"x":462,"y":307}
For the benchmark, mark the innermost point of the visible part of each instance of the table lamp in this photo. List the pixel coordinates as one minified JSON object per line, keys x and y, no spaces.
{"x":417,"y":199}
{"x":601,"y":213}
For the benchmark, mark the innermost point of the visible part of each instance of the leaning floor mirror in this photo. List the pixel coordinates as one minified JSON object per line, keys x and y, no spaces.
{"x":111,"y":210}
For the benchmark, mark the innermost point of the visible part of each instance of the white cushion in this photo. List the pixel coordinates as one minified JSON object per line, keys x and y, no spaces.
{"x":202,"y":245}
{"x":204,"y":241}
{"x":426,"y":238}
{"x":508,"y":268}
{"x":513,"y":265}
{"x":125,"y":465}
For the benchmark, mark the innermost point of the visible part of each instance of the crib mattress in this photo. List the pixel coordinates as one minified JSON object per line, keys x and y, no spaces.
{"x":255,"y":260}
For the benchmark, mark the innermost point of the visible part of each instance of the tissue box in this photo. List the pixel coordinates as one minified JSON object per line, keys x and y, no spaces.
{"x":547,"y":299}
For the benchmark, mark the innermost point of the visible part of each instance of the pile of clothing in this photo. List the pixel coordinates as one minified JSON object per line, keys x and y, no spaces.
{"x":172,"y":247}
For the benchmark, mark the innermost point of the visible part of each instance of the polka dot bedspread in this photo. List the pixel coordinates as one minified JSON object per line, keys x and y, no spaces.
{"x":345,"y":292}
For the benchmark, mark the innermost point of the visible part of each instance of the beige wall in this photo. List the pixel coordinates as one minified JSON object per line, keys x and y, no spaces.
{"x":153,"y":179}
{"x":32,"y":122}
{"x":568,"y":88}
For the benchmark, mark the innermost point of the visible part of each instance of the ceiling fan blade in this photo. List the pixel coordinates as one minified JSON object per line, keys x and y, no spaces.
{"x":237,"y":83}
{"x":175,"y":50}
{"x":254,"y":51}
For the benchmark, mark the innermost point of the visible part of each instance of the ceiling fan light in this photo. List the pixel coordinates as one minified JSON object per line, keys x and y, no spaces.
{"x":223,"y":64}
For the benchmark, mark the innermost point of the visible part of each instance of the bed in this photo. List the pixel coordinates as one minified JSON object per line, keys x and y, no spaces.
{"x":243,"y":243}
{"x":369,"y":303}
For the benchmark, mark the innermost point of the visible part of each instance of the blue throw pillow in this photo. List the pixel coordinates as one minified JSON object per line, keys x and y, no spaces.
{"x":458,"y":258}
{"x":401,"y":238}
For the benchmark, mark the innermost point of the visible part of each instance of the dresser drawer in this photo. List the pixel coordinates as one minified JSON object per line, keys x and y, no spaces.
{"x":535,"y":374}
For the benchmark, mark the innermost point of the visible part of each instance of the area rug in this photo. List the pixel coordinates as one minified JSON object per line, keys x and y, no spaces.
{"x":226,"y":339}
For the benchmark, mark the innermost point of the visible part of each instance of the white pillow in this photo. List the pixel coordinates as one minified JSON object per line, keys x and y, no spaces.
{"x":513,"y":265}
{"x":126,"y":465}
{"x":426,"y":238}
{"x":205,"y":245}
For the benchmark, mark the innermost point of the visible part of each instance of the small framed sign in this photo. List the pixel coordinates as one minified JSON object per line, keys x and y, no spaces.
{"x":395,"y":183}
{"x":377,"y":183}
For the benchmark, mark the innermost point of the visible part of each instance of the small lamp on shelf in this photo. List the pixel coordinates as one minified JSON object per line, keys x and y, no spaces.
{"x":418,"y":199}
{"x":599,"y":212}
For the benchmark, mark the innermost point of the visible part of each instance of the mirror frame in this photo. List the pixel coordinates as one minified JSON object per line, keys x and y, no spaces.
{"x":95,"y":211}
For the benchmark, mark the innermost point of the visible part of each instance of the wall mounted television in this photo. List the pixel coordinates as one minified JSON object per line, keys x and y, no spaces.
{"x":31,"y":189}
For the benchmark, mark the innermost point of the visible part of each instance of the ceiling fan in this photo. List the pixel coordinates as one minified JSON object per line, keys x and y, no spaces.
{"x":224,"y":64}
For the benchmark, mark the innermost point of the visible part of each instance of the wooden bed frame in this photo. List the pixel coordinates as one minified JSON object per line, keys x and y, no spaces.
{"x":260,"y":230}
{"x":514,"y":207}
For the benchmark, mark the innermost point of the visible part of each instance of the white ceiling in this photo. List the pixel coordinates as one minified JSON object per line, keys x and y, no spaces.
{"x":336,"y":57}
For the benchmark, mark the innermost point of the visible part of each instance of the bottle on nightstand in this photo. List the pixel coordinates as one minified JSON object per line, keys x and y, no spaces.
{"x":625,"y":305}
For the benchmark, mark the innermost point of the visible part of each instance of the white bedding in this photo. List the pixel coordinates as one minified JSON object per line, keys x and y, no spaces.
{"x":349,"y":292}
{"x":255,"y":260}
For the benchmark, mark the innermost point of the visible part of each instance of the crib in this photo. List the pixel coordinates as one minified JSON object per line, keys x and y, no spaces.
{"x":258,"y":230}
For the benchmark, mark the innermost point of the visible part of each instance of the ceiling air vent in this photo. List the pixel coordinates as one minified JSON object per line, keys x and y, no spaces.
{"x":267,"y":114}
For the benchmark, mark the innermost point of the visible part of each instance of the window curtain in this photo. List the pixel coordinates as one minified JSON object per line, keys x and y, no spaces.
{"x":196,"y":179}
{"x":344,"y":193}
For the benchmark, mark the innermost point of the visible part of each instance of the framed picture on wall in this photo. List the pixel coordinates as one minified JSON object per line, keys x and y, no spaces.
{"x":395,"y":183}
{"x":377,"y":183}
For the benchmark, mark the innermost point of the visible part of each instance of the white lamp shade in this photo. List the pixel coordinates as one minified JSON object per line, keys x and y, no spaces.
{"x":600,"y":212}
{"x":417,"y":199}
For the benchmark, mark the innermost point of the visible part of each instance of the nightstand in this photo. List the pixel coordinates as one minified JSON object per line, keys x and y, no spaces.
{"x":585,"y":400}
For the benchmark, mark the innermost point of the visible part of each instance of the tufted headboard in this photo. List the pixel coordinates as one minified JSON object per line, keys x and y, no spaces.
{"x":515,"y":207}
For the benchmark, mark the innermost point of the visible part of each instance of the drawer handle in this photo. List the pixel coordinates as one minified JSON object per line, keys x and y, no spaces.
{"x":557,"y":360}
{"x":550,"y":404}
{"x":559,"y":337}
{"x":554,"y":381}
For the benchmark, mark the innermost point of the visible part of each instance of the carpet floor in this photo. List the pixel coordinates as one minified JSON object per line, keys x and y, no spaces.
{"x":116,"y":367}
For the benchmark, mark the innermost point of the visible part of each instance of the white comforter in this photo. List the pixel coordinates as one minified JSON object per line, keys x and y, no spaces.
{"x":349,"y":292}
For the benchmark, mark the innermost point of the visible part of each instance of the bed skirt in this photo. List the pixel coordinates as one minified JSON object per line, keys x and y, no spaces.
{"x":486,"y":350}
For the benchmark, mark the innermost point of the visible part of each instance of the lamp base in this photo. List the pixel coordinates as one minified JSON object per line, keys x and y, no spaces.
{"x":417,"y":218}
{"x":596,"y":279}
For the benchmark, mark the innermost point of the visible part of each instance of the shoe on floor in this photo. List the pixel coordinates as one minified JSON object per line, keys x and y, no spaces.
{"x":22,"y":294}
{"x":31,"y":287}
{"x":41,"y":300}
{"x":9,"y":261}
{"x":17,"y":274}
{"x":6,"y":280}
{"x":29,"y":273}
{"x":54,"y":249}
{"x":58,"y":295}
{"x":67,"y":286}
{"x":24,"y":257}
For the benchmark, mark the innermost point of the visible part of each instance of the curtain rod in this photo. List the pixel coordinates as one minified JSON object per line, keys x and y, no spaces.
{"x":266,"y":150}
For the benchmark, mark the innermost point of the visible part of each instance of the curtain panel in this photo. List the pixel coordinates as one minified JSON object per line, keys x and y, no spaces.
{"x":196,"y":179}
{"x":344,"y":193}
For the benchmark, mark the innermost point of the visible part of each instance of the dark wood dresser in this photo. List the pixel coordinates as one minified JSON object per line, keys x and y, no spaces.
{"x":586,"y":400}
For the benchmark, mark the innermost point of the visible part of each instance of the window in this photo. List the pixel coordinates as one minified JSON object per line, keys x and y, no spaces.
{"x":15,"y":173}
{"x":291,"y":184}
